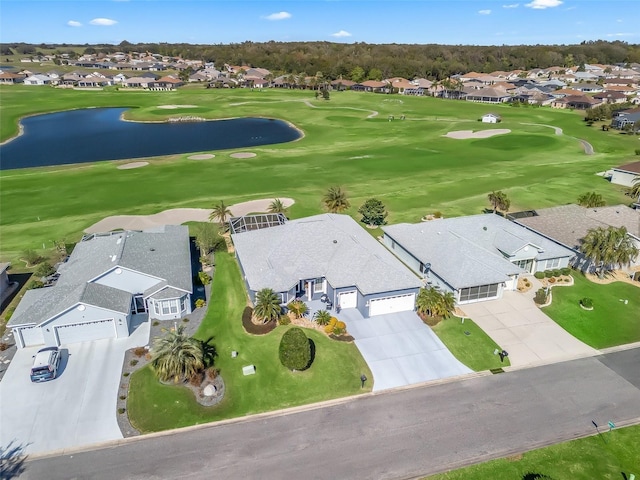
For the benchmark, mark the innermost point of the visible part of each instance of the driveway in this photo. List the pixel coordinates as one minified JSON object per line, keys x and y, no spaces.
{"x":400,"y":349}
{"x":521,"y":328}
{"x":75,"y":409}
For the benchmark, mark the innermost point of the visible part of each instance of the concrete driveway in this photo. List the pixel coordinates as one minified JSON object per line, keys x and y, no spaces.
{"x":400,"y":349}
{"x":521,"y":328}
{"x":75,"y":409}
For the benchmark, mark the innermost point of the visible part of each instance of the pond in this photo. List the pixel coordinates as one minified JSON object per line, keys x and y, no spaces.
{"x":96,"y":134}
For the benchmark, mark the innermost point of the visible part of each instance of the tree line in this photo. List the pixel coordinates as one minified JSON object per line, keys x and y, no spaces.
{"x":372,"y":61}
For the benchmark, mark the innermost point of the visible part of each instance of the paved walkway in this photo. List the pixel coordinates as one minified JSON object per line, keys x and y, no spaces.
{"x":178,"y":216}
{"x":518,"y":326}
{"x":400,"y":349}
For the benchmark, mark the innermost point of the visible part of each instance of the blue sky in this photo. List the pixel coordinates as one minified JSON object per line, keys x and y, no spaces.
{"x":476,"y":22}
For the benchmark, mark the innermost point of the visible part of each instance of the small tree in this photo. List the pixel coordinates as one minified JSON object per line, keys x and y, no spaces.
{"x":322,"y":317}
{"x":634,"y":190}
{"x":177,"y":356}
{"x":499,"y":201}
{"x":295,"y":349}
{"x":267,"y":306}
{"x":220,"y":213}
{"x":373,"y":212}
{"x":208,"y":238}
{"x":335,"y":200}
{"x":298,"y":308}
{"x":276,"y":206}
{"x":591,"y":200}
{"x":44,"y":269}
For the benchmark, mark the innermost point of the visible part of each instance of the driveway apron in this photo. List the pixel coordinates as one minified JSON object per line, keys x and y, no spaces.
{"x":400,"y":349}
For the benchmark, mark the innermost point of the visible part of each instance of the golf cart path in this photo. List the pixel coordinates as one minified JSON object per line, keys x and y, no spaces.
{"x":586,"y":146}
{"x":178,"y":216}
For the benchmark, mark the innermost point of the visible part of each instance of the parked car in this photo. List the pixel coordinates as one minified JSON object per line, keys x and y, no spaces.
{"x":45,"y":364}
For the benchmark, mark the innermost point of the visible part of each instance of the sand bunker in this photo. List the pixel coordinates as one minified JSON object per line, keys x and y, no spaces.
{"x":177,"y":216}
{"x":173,"y":107}
{"x":128,"y":166}
{"x":465,"y":134}
{"x":201,"y":156}
{"x":243,"y":155}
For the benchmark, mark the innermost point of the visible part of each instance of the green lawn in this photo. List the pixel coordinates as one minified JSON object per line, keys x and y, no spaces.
{"x":335,"y":372}
{"x":610,"y":323}
{"x":474,"y":350}
{"x":407,"y":164}
{"x":605,"y":457}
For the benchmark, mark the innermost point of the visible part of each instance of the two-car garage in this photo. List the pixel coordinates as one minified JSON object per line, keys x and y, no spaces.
{"x":394,"y":304}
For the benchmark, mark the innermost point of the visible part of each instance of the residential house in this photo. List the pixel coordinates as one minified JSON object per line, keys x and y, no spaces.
{"x":488,"y":95}
{"x":611,"y":97}
{"x":569,"y":224}
{"x":626,"y":117}
{"x":326,"y":256}
{"x":165,"y":83}
{"x":107,"y":279}
{"x":37,"y":79}
{"x":342,"y":84}
{"x":589,"y":87}
{"x":625,"y":174}
{"x":476,"y":257}
{"x":8,"y":78}
{"x":577,"y":102}
{"x":374,"y":86}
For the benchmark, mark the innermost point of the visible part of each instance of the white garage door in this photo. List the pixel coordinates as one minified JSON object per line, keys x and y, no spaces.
{"x":31,"y":336}
{"x":399,"y":303}
{"x":85,"y":332}
{"x":348,"y":299}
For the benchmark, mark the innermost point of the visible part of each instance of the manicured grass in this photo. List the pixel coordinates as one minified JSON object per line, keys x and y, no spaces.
{"x":610,"y":323}
{"x":407,"y":164}
{"x":612,"y":455}
{"x":334,"y":373}
{"x":474,"y":350}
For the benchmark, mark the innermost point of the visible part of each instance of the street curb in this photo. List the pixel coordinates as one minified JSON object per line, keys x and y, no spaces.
{"x":619,"y":348}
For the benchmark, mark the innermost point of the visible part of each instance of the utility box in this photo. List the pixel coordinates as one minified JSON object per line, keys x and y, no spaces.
{"x":249,"y":370}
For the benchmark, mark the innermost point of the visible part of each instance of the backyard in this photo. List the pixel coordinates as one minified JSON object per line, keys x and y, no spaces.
{"x":334,"y":373}
{"x":611,"y":455}
{"x":407,"y":164}
{"x":614,"y":319}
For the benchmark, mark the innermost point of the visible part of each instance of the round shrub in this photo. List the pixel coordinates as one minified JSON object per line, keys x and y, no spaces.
{"x":330,"y":326}
{"x":284,"y":320}
{"x":548,"y":273}
{"x":295,"y":349}
{"x":556,"y":273}
{"x":552,"y":280}
{"x":539,"y":275}
{"x":565,"y":271}
{"x":586,"y":302}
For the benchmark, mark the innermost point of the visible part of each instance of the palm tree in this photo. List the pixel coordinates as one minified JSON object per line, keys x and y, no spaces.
{"x":608,"y":247}
{"x":634,"y":190}
{"x":499,"y":201}
{"x":276,"y":206}
{"x":322,"y":317}
{"x":177,"y":357}
{"x":267,"y":306}
{"x":335,"y":200}
{"x":220,"y":212}
{"x":298,"y":308}
{"x":427,"y":300}
{"x":591,"y":200}
{"x":445,"y":305}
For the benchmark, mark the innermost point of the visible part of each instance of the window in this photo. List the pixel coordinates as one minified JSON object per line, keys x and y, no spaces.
{"x":156,"y":308}
{"x":183,"y":304}
{"x":477,"y":293}
{"x":165,"y":307}
{"x":552,"y":263}
{"x":318,"y":285}
{"x":173,"y":306}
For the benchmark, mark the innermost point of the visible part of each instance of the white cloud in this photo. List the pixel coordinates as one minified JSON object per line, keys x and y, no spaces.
{"x":278,"y":16}
{"x":484,"y":12}
{"x":341,"y":34}
{"x":104,"y":22}
{"x":619,"y":20}
{"x":511,"y":5}
{"x":73,"y":23}
{"x":542,"y":4}
{"x":621,"y":35}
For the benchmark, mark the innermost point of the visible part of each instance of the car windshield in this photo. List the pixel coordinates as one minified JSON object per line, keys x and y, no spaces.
{"x":40,"y":371}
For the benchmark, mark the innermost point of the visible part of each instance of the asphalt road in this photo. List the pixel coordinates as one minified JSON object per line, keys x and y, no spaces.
{"x":402,"y":434}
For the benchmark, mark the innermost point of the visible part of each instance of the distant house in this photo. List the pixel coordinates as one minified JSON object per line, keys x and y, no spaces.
{"x":491,"y":118}
{"x":37,"y":80}
{"x":342,"y":84}
{"x":626,"y":117}
{"x":373,"y":86}
{"x":577,"y":102}
{"x":488,"y":95}
{"x":107,"y":279}
{"x":7,"y":78}
{"x":611,"y":97}
{"x":328,"y":256}
{"x":625,"y":174}
{"x":475,"y":257}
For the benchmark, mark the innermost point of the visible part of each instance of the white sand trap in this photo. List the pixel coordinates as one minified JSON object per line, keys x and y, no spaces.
{"x":173,"y":107}
{"x":243,"y":155}
{"x":202,"y":156}
{"x":128,"y":166}
{"x":178,"y":216}
{"x":466,"y":134}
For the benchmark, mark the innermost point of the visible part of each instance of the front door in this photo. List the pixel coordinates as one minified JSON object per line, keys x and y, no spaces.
{"x":139,"y":304}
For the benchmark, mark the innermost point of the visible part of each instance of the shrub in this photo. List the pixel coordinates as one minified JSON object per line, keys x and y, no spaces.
{"x":125,"y":374}
{"x":284,"y":320}
{"x":332,"y":323}
{"x":339,"y":328}
{"x":9,"y":313}
{"x":556,"y":273}
{"x":204,"y":278}
{"x":548,"y":273}
{"x":185,"y":320}
{"x":565,"y":271}
{"x":44,"y":269}
{"x":133,"y":362}
{"x":541,"y":296}
{"x":539,"y":275}
{"x":32,"y":257}
{"x":437,"y":214}
{"x":200,"y":303}
{"x":140,"y":351}
{"x":586,"y":302}
{"x":155,"y":323}
{"x":552,"y":280}
{"x":212,"y":373}
{"x":637,"y":151}
{"x":196,"y":379}
{"x":298,"y":308}
{"x":295,"y":349}
{"x":121,"y":411}
{"x":35,"y":284}
{"x":322,"y":317}
{"x":123,"y":397}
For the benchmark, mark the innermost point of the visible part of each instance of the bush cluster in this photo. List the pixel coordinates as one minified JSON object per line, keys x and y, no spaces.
{"x":586,"y":302}
{"x":541,"y":296}
{"x":200,"y":303}
{"x":204,"y":278}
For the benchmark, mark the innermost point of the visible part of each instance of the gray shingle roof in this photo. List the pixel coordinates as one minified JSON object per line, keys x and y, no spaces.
{"x":162,"y":253}
{"x":568,"y":224}
{"x":466,"y":251}
{"x":328,"y":245}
